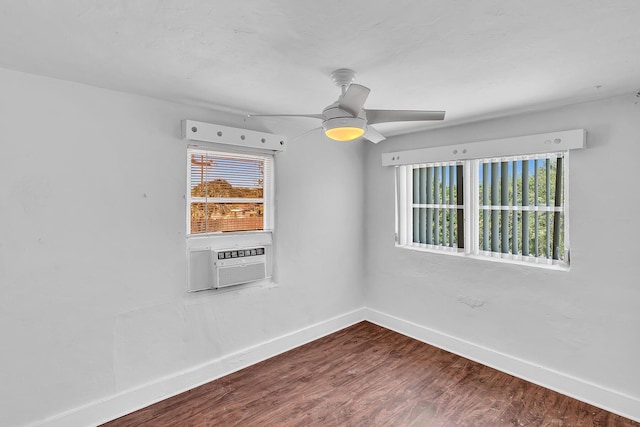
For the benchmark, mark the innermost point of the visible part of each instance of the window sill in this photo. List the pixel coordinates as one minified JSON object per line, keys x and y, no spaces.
{"x":493,"y":257}
{"x":230,"y":240}
{"x":228,"y":233}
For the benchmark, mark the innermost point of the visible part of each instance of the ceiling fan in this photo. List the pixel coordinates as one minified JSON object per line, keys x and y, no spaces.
{"x":347,"y":119}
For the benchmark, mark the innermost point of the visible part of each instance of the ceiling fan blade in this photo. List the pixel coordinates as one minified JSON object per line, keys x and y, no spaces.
{"x":373,"y":135}
{"x":303,"y":134}
{"x":353,"y":99}
{"x":384,"y":116}
{"x":312,"y":116}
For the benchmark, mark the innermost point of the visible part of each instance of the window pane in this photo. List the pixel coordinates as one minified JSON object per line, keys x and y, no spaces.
{"x":438,"y":214}
{"x":512,"y":185}
{"x":217,"y":217}
{"x":228,"y":192}
{"x":220,"y":176}
{"x":222,"y":188}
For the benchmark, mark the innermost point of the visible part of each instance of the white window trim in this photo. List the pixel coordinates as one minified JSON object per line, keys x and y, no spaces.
{"x":494,"y":150}
{"x":268,"y":200}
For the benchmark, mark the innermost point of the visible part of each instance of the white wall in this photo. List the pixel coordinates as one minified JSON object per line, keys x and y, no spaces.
{"x":92,"y":247}
{"x":92,"y":252}
{"x":581,"y":324}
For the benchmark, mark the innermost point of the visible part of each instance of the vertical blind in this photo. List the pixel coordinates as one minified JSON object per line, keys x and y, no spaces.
{"x":438,"y":207}
{"x":522,"y":206}
{"x":512,"y":208}
{"x":228,"y":192}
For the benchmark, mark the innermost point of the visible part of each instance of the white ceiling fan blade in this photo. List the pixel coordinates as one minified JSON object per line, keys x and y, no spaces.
{"x":303,"y":134}
{"x":311,"y":116}
{"x":373,"y":135}
{"x":353,"y":99}
{"x":384,"y":116}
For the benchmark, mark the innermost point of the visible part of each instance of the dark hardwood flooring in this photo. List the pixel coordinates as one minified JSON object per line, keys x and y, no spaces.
{"x":366,"y":375}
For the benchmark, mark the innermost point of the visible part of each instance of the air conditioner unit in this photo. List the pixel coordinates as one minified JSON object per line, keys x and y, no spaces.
{"x":236,"y":266}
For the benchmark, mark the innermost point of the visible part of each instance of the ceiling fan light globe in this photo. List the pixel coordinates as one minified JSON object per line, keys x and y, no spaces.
{"x":344,"y":128}
{"x":346,"y":133}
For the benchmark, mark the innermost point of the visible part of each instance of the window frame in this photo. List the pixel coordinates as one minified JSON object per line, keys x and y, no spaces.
{"x":472,"y":211}
{"x":410,"y":191}
{"x":268,"y":199}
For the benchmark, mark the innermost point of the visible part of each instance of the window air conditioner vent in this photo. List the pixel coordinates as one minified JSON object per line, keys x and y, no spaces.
{"x":237,"y":266}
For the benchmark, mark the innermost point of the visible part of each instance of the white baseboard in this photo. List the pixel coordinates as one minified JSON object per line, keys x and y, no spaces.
{"x":127,"y":401}
{"x":602,"y":397}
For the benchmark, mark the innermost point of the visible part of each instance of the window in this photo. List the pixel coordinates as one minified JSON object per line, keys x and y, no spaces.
{"x":229,"y":192}
{"x":521,"y":207}
{"x":508,"y":208}
{"x":229,"y":206}
{"x":438,"y":205}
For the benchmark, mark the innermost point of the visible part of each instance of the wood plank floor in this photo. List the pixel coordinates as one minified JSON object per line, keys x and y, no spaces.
{"x":366,"y":375}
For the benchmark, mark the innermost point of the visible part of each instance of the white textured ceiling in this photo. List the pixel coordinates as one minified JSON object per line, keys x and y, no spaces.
{"x":473,"y":59}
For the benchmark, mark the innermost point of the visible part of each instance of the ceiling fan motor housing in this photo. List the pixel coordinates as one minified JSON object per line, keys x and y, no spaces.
{"x":335,"y":117}
{"x":333,"y":111}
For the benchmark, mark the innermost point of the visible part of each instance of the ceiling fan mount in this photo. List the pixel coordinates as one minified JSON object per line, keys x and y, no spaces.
{"x":347,"y":119}
{"x":343,"y":77}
